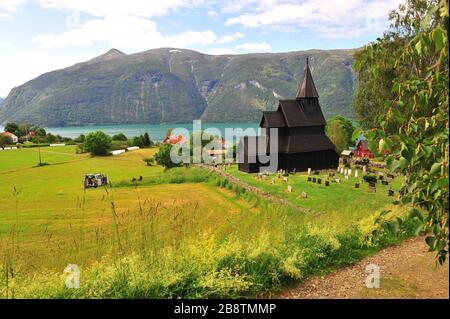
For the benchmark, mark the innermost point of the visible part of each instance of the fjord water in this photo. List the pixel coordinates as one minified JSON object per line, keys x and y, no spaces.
{"x":157,"y":132}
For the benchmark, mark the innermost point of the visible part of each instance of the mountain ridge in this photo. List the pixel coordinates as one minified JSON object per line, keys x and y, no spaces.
{"x":170,"y":85}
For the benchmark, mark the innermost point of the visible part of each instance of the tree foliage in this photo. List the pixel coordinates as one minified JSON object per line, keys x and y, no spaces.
{"x":5,"y":140}
{"x":162,"y":157}
{"x":340,"y":131}
{"x":98,"y":143}
{"x":411,"y":125}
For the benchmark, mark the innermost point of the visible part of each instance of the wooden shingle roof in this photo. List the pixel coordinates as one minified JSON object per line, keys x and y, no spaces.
{"x":295,"y":116}
{"x":273,"y":119}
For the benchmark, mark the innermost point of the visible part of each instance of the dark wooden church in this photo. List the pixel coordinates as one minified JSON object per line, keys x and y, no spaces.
{"x":302,"y":142}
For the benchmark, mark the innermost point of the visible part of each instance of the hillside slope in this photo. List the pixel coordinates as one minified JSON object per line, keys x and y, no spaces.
{"x":173,"y":85}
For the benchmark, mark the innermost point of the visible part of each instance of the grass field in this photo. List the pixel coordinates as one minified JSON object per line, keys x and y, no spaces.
{"x":340,"y":204}
{"x":178,"y":233}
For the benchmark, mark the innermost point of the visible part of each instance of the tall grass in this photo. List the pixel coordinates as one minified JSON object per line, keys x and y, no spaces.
{"x":160,"y":252}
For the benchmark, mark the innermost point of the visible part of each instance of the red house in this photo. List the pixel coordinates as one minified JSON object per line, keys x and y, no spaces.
{"x":362,"y":149}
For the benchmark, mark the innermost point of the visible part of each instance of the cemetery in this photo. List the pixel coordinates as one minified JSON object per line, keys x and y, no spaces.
{"x":350,"y":191}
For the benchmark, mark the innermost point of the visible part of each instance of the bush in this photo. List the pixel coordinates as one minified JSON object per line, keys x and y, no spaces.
{"x":119,"y":137}
{"x":162,"y":157}
{"x":98,"y":143}
{"x":370,"y":178}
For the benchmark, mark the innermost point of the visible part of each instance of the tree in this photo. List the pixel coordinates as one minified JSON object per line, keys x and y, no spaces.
{"x":50,"y":138}
{"x":39,"y":136}
{"x":11,"y":128}
{"x":120,"y":137}
{"x":374,"y":85}
{"x":340,"y":131}
{"x":5,"y":140}
{"x":146,"y":140}
{"x":80,"y":139}
{"x":337,"y":135}
{"x":138,"y":141}
{"x":162,"y":157}
{"x":98,"y":143}
{"x":412,"y":125}
{"x":40,"y":131}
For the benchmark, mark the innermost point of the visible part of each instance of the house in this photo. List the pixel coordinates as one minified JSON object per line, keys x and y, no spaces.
{"x":302,"y":142}
{"x":362,"y":148}
{"x":13,"y":137}
{"x":174,"y":139}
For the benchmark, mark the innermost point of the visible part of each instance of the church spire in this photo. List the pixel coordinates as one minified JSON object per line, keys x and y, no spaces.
{"x":307,"y":88}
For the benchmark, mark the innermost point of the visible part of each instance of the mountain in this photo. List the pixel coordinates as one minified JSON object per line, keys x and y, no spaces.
{"x":174,"y":85}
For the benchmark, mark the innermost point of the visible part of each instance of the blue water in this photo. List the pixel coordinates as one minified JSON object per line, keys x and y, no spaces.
{"x":157,"y":132}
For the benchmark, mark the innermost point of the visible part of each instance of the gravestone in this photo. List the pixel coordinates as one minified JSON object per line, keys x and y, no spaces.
{"x":304,"y":195}
{"x":289,"y":189}
{"x":346,"y":177}
{"x":273,"y":181}
{"x":309,"y":179}
{"x":319,"y":181}
{"x":314,"y":179}
{"x":356,"y":185}
{"x":364,"y":169}
{"x":385,"y":183}
{"x":327,"y":183}
{"x":309,"y":171}
{"x":390,"y":193}
{"x":356,"y":173}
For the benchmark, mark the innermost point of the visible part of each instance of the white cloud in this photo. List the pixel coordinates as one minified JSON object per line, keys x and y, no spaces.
{"x":4,"y":45}
{"x":19,"y":67}
{"x":255,"y":47}
{"x":230,"y":37}
{"x":134,"y":33}
{"x":8,"y":7}
{"x":102,"y":8}
{"x":332,"y":18}
{"x":11,"y":5}
{"x":221,"y":51}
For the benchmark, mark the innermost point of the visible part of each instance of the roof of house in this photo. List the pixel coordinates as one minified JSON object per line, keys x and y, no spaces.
{"x":364,"y":143}
{"x":295,"y":115}
{"x":347,"y":152}
{"x":304,"y":111}
{"x":7,"y":133}
{"x":307,"y":88}
{"x":273,"y":119}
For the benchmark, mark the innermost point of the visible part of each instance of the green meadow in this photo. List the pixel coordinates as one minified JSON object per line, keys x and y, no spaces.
{"x":184,"y":232}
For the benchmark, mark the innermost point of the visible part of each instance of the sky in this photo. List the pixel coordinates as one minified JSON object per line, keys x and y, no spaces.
{"x":38,"y":36}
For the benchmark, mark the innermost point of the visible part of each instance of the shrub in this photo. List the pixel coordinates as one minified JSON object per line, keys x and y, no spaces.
{"x":119,"y":137}
{"x":370,"y":178}
{"x":162,"y":157}
{"x":98,"y":143}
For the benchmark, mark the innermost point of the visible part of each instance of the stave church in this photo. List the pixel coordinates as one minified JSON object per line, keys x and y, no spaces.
{"x":302,"y":142}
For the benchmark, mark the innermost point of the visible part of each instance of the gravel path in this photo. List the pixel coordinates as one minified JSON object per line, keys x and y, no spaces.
{"x":406,"y":271}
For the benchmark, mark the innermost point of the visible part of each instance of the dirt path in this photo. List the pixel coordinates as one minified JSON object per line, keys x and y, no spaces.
{"x":406,"y":271}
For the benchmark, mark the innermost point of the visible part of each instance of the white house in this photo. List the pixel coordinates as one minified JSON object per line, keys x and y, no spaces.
{"x":14,"y":138}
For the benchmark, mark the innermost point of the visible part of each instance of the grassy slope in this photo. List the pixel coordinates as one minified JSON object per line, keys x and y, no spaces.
{"x":338,"y":204}
{"x":193,"y":239}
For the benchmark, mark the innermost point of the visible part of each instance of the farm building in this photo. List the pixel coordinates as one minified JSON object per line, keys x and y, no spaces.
{"x":302,"y":142}
{"x":13,"y":137}
{"x":362,"y":149}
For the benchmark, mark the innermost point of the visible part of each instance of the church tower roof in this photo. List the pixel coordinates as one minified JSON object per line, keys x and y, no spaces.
{"x":307,"y":88}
